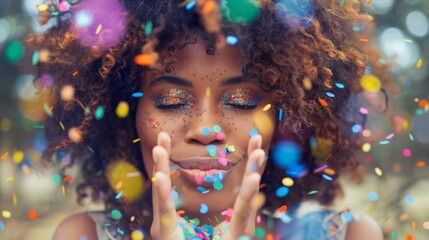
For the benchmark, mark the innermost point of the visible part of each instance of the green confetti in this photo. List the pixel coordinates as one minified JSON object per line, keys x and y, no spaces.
{"x":99,"y":112}
{"x":14,"y":51}
{"x":57,"y":179}
{"x":259,"y":232}
{"x":342,"y":2}
{"x":35,"y":58}
{"x":218,"y":186}
{"x":116,"y":214}
{"x":148,"y":28}
{"x":312,"y":192}
{"x":241,"y":12}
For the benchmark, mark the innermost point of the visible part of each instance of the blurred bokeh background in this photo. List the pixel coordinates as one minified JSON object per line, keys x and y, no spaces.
{"x":395,"y":188}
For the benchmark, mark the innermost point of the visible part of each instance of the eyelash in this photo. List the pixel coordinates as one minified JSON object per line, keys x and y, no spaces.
{"x":180,"y":106}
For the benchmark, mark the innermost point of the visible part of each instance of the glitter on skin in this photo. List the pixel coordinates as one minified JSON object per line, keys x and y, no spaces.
{"x":244,"y":98}
{"x":174,"y":99}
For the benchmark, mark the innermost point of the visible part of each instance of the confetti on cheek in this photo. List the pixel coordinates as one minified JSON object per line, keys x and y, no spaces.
{"x":218,"y":186}
{"x":203,"y":208}
{"x":253,"y":132}
{"x":84,"y":237}
{"x":219,"y":136}
{"x":216,"y":129}
{"x":202,"y":190}
{"x":208,"y":92}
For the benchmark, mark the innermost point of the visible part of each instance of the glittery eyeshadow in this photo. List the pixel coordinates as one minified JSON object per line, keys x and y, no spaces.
{"x":173,"y":97}
{"x":242,"y":97}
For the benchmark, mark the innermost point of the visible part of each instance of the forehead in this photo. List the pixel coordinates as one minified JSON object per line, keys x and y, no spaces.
{"x":194,"y":58}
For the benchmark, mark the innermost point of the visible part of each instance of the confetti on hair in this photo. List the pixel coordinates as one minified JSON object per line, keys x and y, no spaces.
{"x":329,"y":94}
{"x":137,"y":235}
{"x":122,"y":109}
{"x":67,"y":93}
{"x":282,"y":191}
{"x":116,"y":214}
{"x":370,"y":83}
{"x":145,"y":59}
{"x":148,"y":28}
{"x":231,"y":40}
{"x":339,"y":85}
{"x":312,"y":192}
{"x":323,"y":102}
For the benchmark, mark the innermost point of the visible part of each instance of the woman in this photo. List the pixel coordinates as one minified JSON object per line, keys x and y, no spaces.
{"x":210,"y":103}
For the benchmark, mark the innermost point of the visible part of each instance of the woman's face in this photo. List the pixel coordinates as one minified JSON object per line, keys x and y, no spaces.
{"x":205,"y":105}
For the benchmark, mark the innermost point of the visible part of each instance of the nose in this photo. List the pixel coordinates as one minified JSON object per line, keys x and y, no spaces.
{"x":205,"y":128}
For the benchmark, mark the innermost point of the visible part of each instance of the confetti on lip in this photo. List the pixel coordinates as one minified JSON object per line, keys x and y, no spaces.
{"x":202,"y":190}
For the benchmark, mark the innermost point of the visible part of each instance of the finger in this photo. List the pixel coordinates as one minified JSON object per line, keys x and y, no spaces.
{"x":164,"y":140}
{"x":244,"y":211}
{"x":255,"y":142}
{"x":154,"y":230}
{"x":169,"y":228}
{"x":161,"y":159}
{"x":255,"y":162}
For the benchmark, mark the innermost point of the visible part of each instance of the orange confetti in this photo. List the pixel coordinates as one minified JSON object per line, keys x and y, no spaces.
{"x":67,"y":178}
{"x":75,"y":74}
{"x":208,"y":7}
{"x":4,"y":156}
{"x":174,"y":174}
{"x":413,"y":225}
{"x":32,"y":214}
{"x":363,"y":39}
{"x":180,"y":212}
{"x":423,"y":103}
{"x":420,"y":163}
{"x":332,"y":229}
{"x":329,"y":171}
{"x":409,"y":237}
{"x":269,"y":237}
{"x":26,"y":170}
{"x":323,"y":102}
{"x":283,"y":208}
{"x":119,"y":185}
{"x":144,"y":59}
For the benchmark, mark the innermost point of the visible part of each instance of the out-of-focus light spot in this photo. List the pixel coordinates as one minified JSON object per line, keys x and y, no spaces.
{"x":366,"y":147}
{"x":373,"y":196}
{"x":241,"y":12}
{"x":417,"y":23}
{"x":137,"y":235}
{"x":286,"y":154}
{"x":406,"y":153}
{"x":370,"y":83}
{"x":426,"y":225}
{"x":356,"y":128}
{"x":393,"y":45}
{"x":132,"y":181}
{"x":5,"y":125}
{"x":83,"y":18}
{"x":382,"y":6}
{"x":4,"y":30}
{"x":6,"y":214}
{"x":263,"y":122}
{"x":14,"y":51}
{"x":409,"y":199}
{"x":282,"y":191}
{"x":64,"y":6}
{"x":122,"y":109}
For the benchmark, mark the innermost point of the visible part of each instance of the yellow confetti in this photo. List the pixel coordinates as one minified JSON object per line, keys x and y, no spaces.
{"x":208,"y":91}
{"x":63,"y":189}
{"x":122,"y":109}
{"x":62,"y":126}
{"x":419,"y":63}
{"x":136,"y":140}
{"x":266,"y":108}
{"x":119,"y":185}
{"x":137,"y":235}
{"x":6,"y":214}
{"x":370,"y":83}
{"x":366,"y":147}
{"x":288,"y":182}
{"x":263,"y":122}
{"x":9,"y":179}
{"x":18,"y":157}
{"x":378,"y":171}
{"x":98,"y":29}
{"x":122,"y":177}
{"x":14,"y":199}
{"x":42,"y":7}
{"x":153,"y":179}
{"x":408,"y":40}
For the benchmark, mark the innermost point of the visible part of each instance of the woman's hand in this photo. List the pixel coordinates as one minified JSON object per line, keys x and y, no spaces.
{"x":165,"y":220}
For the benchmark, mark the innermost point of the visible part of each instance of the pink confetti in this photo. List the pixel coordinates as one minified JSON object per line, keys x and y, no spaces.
{"x":390,"y":136}
{"x":363,"y":110}
{"x":227,"y":212}
{"x":223,"y":161}
{"x":219,"y":136}
{"x":406,"y":152}
{"x":222,"y":153}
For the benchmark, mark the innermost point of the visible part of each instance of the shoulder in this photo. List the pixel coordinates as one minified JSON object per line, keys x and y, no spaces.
{"x":364,"y":227}
{"x":76,"y":226}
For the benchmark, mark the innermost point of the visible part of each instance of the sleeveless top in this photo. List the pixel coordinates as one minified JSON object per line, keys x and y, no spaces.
{"x":310,"y":221}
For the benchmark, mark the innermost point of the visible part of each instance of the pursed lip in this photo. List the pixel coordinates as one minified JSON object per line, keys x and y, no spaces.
{"x":204,"y":163}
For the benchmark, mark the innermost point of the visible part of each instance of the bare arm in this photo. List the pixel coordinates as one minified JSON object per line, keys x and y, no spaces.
{"x":364,"y":228}
{"x":77,"y":226}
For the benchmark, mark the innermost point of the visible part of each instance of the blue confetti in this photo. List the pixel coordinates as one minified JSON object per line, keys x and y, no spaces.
{"x":368,"y":70}
{"x":253,"y":132}
{"x":282,"y":191}
{"x":119,"y":195}
{"x":137,"y":94}
{"x":326,"y":177}
{"x":347,"y":217}
{"x":409,"y":199}
{"x":204,"y":208}
{"x":202,"y":190}
{"x":286,"y":155}
{"x":231,"y":40}
{"x":280,"y":114}
{"x":384,"y":142}
{"x":329,"y":94}
{"x":1,"y":225}
{"x":205,"y":131}
{"x":211,"y":148}
{"x":208,"y":178}
{"x":356,"y":128}
{"x":190,"y":5}
{"x":83,"y":237}
{"x":339,"y":85}
{"x":120,"y":231}
{"x":373,"y":196}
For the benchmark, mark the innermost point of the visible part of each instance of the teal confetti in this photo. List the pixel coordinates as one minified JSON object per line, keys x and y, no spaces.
{"x":313,"y":192}
{"x":99,"y":112}
{"x":116,"y":214}
{"x":342,"y":3}
{"x":148,"y":28}
{"x":35,"y":58}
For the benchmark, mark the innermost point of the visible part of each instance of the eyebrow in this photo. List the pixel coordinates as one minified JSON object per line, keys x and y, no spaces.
{"x":182,"y":82}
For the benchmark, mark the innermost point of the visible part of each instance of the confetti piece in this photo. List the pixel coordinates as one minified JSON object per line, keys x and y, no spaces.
{"x":9,"y":179}
{"x":119,"y":195}
{"x":342,"y":3}
{"x":203,"y":208}
{"x":287,"y":181}
{"x":116,"y":214}
{"x":419,"y":63}
{"x":282,"y":191}
{"x":218,"y":186}
{"x":339,"y":85}
{"x":312,"y":192}
{"x":370,"y":83}
{"x":137,"y":94}
{"x":420,"y":163}
{"x":216,"y":128}
{"x":42,"y":7}
{"x":409,"y":199}
{"x":75,"y":135}
{"x":390,"y":136}
{"x":64,"y":6}
{"x":4,"y":156}
{"x":98,"y":30}
{"x":280,"y":114}
{"x":231,"y":40}
{"x":283,"y":208}
{"x":136,"y":140}
{"x":18,"y":156}
{"x":137,"y":235}
{"x":208,"y":91}
{"x":57,"y":179}
{"x":366,"y":147}
{"x":144,"y":59}
{"x":62,"y":126}
{"x":6,"y":214}
{"x":356,"y":128}
{"x":347,"y":217}
{"x":408,"y":40}
{"x":208,"y":7}
{"x":384,"y":142}
{"x":259,"y":233}
{"x":119,"y":185}
{"x":253,"y":132}
{"x":266,"y":108}
{"x":406,"y":153}
{"x":373,"y":196}
{"x":67,"y":93}
{"x":323,"y":102}
{"x":378,"y":171}
{"x":122,"y":109}
{"x":148,"y":28}
{"x":26,"y":170}
{"x":409,"y":237}
{"x":32,"y":214}
{"x":326,"y":177}
{"x":205,"y":131}
{"x":67,"y":178}
{"x":202,"y":190}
